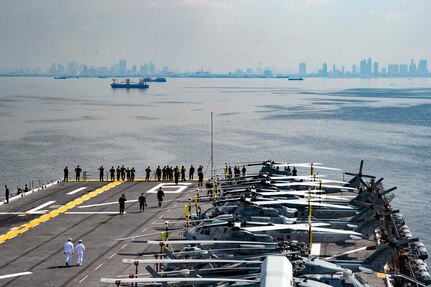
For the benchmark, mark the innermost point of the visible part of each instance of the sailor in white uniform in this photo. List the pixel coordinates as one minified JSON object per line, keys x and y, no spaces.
{"x":80,"y":248}
{"x":69,"y":250}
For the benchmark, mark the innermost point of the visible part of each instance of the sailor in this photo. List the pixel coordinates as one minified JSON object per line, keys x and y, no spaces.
{"x":191,"y":172}
{"x":80,"y":248}
{"x":123,"y":172}
{"x":148,"y":172}
{"x":229,"y":172}
{"x":164,"y":173}
{"x":101,"y":171}
{"x":288,"y":169}
{"x":159,"y":173}
{"x":118,"y":173}
{"x":25,"y":189}
{"x":112,"y":172}
{"x":183,"y":173}
{"x":176,"y":174}
{"x":225,"y":171}
{"x":132,"y":173}
{"x":160,"y":195}
{"x":209,"y":186}
{"x":201,"y":176}
{"x":78,"y":173}
{"x":122,"y":202}
{"x":294,"y":172}
{"x":243,"y":170}
{"x":6,"y":194}
{"x":66,"y":174}
{"x":142,"y":202}
{"x":128,"y":173}
{"x":69,"y":251}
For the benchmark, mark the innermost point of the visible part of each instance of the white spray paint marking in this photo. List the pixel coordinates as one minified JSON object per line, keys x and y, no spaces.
{"x":315,"y":249}
{"x":345,"y":253}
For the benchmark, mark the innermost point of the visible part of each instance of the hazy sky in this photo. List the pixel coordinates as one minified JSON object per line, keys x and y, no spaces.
{"x":213,"y":34}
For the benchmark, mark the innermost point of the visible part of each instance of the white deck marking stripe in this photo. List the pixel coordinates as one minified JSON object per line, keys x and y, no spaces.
{"x":347,"y":252}
{"x":40,"y":206}
{"x":83,"y":279}
{"x":315,"y":249}
{"x":98,"y":266}
{"x":76,"y":190}
{"x":15,"y":275}
{"x":105,"y":203}
{"x":112,"y":256}
{"x":91,"y":212}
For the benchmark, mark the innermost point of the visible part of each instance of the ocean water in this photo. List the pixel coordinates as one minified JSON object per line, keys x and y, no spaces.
{"x":46,"y":124}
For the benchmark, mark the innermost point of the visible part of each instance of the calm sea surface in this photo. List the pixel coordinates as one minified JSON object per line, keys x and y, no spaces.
{"x":46,"y":124}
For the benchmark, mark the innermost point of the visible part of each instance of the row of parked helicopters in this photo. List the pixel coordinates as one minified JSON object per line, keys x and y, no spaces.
{"x":261,"y":229}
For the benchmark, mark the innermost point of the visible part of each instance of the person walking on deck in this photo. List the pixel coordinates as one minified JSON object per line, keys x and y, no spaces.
{"x":160,"y":195}
{"x":123,"y":172}
{"x":183,"y":173}
{"x":122,"y":201}
{"x":142,"y":202}
{"x":80,"y":248}
{"x":69,"y":251}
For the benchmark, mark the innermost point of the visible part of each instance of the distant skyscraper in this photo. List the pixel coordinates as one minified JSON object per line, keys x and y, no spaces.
{"x":412,"y":67}
{"x":122,"y":66}
{"x":324,"y":71}
{"x":404,"y":69}
{"x":354,"y":72}
{"x":376,"y":69}
{"x":302,"y":69}
{"x":423,"y":67}
{"x":152,"y":68}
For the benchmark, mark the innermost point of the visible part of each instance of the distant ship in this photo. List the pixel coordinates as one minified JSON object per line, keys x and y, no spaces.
{"x":129,"y":84}
{"x":291,"y":78}
{"x":60,"y":78}
{"x":159,"y":80}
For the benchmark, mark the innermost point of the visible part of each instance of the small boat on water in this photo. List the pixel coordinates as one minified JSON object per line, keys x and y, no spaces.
{"x":158,"y":80}
{"x":127,"y":84}
{"x":60,"y":78}
{"x":292,"y":78}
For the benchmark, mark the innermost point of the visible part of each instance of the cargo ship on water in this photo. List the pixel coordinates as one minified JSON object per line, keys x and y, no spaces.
{"x":270,"y":227}
{"x":128,"y":84}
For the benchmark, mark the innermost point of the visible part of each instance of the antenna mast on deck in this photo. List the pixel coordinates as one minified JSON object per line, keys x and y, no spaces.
{"x":212,"y":149}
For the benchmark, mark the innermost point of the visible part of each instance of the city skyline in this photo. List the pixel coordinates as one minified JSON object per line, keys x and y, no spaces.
{"x":366,"y":67}
{"x":214,"y":35}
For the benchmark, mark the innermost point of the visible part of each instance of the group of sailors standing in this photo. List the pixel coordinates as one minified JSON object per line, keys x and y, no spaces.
{"x":167,"y":173}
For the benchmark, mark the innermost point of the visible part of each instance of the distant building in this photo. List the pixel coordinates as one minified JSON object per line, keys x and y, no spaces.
{"x":376,"y":69}
{"x":324,"y":70}
{"x":404,"y":70}
{"x":122,"y":66}
{"x":423,"y":67}
{"x":412,"y":68}
{"x":267,"y":73}
{"x":302,"y":69}
{"x":354,"y":72}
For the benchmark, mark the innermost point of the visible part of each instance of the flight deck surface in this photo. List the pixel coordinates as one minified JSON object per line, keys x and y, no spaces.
{"x":34,"y":228}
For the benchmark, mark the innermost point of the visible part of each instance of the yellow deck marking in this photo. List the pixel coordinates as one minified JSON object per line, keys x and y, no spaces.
{"x":35,"y":222}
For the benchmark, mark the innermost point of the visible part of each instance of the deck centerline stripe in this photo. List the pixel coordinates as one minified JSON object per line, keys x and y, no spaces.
{"x":76,"y":190}
{"x":345,"y":253}
{"x":55,"y":212}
